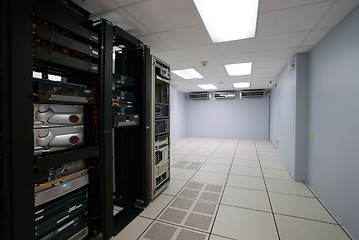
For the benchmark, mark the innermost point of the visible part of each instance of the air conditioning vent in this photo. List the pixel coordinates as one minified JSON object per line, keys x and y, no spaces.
{"x":252,"y":94}
{"x":199,"y":96}
{"x":225,"y":95}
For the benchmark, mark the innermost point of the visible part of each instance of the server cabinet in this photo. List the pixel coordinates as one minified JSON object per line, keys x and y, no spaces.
{"x":55,"y":136}
{"x":130,"y":96}
{"x":160,"y":125}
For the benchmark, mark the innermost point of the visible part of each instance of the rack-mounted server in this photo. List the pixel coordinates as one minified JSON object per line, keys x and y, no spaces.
{"x":160,"y":163}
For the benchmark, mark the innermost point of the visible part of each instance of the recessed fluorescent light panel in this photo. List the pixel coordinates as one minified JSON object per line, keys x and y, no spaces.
{"x":228,"y":20}
{"x":241,"y":85}
{"x":207,"y":86}
{"x":239,"y":69}
{"x":190,"y":73}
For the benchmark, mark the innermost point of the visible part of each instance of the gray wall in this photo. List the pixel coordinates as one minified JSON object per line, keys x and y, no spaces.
{"x":289,"y":116}
{"x":333,"y":160}
{"x":282,"y":118}
{"x":178,"y":113}
{"x":228,"y":118}
{"x":301,"y":118}
{"x":319,"y":99}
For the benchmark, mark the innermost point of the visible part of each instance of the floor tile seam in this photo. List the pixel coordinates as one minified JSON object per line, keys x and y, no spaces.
{"x":245,"y":175}
{"x":290,"y":194}
{"x":265,"y":185}
{"x":326,"y":209}
{"x":224,"y":186}
{"x":258,"y":190}
{"x":306,"y":218}
{"x":246,"y":208}
{"x":182,"y":226}
{"x":153,"y":220}
{"x":217,"y":235}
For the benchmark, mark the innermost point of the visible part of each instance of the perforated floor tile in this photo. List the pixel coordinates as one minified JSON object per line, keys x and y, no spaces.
{"x":192,"y":213}
{"x":164,"y":231}
{"x":199,"y":221}
{"x":195,"y":185}
{"x":190,"y":235}
{"x":213,"y":188}
{"x":206,"y":208}
{"x":189,"y":193}
{"x":182,"y":203}
{"x":173,"y":215}
{"x":213,"y":197}
{"x":159,"y":231}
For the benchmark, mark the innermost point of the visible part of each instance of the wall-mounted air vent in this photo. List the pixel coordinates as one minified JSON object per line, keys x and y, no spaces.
{"x":225,"y":95}
{"x":199,"y":96}
{"x":252,"y":94}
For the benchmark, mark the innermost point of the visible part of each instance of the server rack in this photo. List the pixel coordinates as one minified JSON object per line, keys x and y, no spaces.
{"x":37,"y":36}
{"x":131,"y":94}
{"x":160,"y":125}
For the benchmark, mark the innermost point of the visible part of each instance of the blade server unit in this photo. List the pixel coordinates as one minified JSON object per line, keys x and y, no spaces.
{"x":160,"y":163}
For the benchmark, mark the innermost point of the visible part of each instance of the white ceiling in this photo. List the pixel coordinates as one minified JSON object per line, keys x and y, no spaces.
{"x":175,"y":33}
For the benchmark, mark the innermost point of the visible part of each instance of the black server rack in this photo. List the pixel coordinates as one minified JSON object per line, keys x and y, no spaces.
{"x":130,"y":97}
{"x":56,"y":137}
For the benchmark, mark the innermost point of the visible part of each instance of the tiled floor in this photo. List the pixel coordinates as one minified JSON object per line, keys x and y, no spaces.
{"x":232,"y":189}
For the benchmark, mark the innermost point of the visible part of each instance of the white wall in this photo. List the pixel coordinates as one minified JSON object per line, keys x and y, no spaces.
{"x":228,"y":118}
{"x":177,"y":114}
{"x":320,"y":99}
{"x":333,"y":160}
{"x":289,"y":117}
{"x":282,"y":118}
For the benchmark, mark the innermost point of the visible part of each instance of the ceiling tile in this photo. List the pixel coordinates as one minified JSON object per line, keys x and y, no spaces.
{"x":273,"y":5}
{"x":269,"y":64}
{"x":154,"y":43}
{"x":95,"y":6}
{"x":241,"y":58}
{"x":197,"y":52}
{"x":292,"y":19}
{"x":289,"y":40}
{"x":339,"y":10}
{"x":279,"y":54}
{"x":165,"y":15}
{"x":212,"y":62}
{"x":127,"y":2}
{"x":125,"y":21}
{"x":185,"y":37}
{"x":177,"y":65}
{"x":315,"y":36}
{"x":169,"y":56}
{"x":235,"y":47}
{"x":304,"y":49}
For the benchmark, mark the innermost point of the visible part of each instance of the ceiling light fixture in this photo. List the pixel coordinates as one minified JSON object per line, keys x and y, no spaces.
{"x":239,"y":69}
{"x":228,"y":20}
{"x":241,"y":84}
{"x":190,"y":73}
{"x":207,"y":86}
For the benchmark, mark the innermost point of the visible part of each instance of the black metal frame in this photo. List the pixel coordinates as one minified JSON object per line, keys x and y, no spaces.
{"x":17,"y":160}
{"x":17,"y":119}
